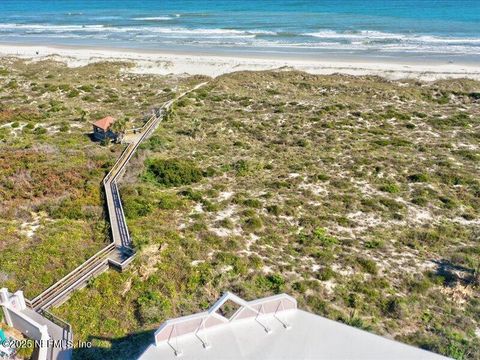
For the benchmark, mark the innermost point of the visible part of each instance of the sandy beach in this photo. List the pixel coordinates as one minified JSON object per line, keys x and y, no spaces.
{"x":151,"y":62}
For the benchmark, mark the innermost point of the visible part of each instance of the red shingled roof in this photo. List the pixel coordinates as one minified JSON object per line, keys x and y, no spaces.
{"x":104,"y":123}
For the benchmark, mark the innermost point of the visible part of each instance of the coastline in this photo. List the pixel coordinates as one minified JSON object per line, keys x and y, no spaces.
{"x":215,"y":64}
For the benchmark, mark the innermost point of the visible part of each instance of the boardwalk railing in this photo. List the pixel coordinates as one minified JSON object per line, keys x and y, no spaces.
{"x":61,"y":290}
{"x":69,"y":282}
{"x":67,"y":328}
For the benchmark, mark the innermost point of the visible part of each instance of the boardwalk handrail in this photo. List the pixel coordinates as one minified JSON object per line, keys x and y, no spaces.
{"x":54,"y":297}
{"x":99,"y":261}
{"x":122,"y":265}
{"x":148,"y":126}
{"x":130,"y":149}
{"x":56,"y":320}
{"x":121,"y":221}
{"x":118,"y":223}
{"x":109,"y":174}
{"x":124,"y":162}
{"x":50,"y":295}
{"x":118,"y":220}
{"x":74,"y":271}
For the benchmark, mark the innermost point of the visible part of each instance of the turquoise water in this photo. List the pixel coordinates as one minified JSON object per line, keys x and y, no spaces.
{"x":448,"y":29}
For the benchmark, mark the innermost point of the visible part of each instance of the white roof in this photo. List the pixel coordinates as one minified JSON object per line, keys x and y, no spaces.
{"x":308,"y":336}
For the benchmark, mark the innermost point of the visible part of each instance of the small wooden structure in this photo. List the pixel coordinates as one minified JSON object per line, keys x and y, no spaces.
{"x":102,"y":129}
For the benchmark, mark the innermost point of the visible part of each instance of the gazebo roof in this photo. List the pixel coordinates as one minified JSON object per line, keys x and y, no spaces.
{"x":104,"y":123}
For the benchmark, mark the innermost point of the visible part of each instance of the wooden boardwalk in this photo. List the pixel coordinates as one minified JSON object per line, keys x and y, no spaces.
{"x":118,"y":254}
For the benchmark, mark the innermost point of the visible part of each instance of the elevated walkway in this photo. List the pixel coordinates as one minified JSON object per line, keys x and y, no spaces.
{"x":118,"y":254}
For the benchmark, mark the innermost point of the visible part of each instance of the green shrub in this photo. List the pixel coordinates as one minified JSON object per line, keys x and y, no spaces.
{"x":394,"y":307}
{"x":50,"y":87}
{"x":391,"y":204}
{"x":135,"y":207}
{"x":64,"y":87}
{"x":356,"y":322}
{"x":192,"y":194}
{"x":318,"y":237}
{"x":89,"y":98}
{"x":374,"y":244}
{"x":242,"y":167}
{"x":302,"y":142}
{"x":448,"y":202}
{"x":153,"y":307}
{"x":169,"y":202}
{"x":325,"y":274}
{"x":64,"y":127}
{"x":73,"y":93}
{"x":367,"y":265}
{"x":172,"y":172}
{"x":321,"y":177}
{"x":226,"y":223}
{"x":86,"y":88}
{"x":418,"y":177}
{"x":210,"y":206}
{"x":390,"y":188}
{"x":272,"y":282}
{"x":274,"y":210}
{"x":252,"y":223}
{"x":419,"y":200}
{"x":458,"y":120}
{"x":12,"y":85}
{"x":40,"y":130}
{"x":153,"y":144}
{"x":253,"y":203}
{"x":56,"y":106}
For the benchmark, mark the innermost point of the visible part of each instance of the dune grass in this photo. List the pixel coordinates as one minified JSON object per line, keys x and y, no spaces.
{"x":356,"y":195}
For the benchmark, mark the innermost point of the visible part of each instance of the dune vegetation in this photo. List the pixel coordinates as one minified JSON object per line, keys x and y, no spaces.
{"x":358,"y":196}
{"x":51,"y":201}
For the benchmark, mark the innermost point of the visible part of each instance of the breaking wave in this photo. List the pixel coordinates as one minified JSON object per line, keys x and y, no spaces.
{"x":324,"y":39}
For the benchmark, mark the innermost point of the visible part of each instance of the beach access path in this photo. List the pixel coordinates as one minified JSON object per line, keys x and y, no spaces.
{"x":119,"y":253}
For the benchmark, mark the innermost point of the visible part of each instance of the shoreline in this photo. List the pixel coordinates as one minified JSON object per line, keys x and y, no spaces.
{"x":215,"y":63}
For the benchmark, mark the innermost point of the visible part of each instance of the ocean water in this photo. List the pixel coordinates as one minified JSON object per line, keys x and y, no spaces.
{"x":444,"y":29}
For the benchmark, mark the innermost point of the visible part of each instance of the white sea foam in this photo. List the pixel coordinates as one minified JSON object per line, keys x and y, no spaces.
{"x":43,"y":28}
{"x":153,"y":18}
{"x":106,"y":17}
{"x":261,"y":32}
{"x":324,"y":40}
{"x":447,"y":40}
{"x":328,"y":34}
{"x":378,"y":35}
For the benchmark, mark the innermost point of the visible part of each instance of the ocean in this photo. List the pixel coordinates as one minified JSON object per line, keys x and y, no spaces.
{"x":445,"y":29}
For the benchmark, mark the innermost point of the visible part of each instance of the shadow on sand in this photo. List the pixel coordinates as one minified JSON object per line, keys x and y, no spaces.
{"x":124,"y":348}
{"x":453,"y":274}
